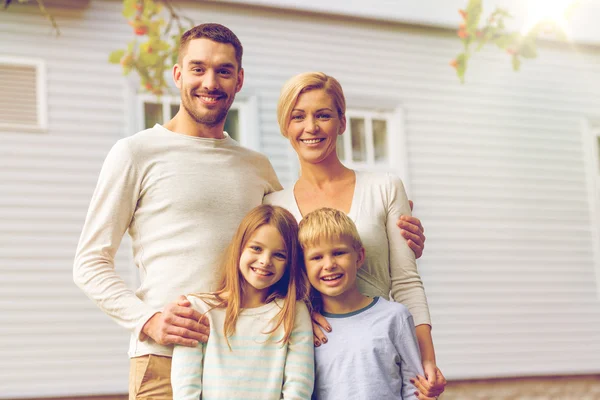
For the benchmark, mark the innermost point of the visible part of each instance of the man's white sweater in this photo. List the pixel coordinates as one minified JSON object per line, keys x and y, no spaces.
{"x":181,"y":198}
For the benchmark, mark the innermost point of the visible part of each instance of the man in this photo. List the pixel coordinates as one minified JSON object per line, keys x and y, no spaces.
{"x":180,"y":190}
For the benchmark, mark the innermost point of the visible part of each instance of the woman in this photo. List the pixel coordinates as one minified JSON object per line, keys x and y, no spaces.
{"x":311,"y":115}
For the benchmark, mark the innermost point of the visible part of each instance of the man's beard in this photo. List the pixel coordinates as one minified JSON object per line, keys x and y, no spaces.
{"x":210,"y":118}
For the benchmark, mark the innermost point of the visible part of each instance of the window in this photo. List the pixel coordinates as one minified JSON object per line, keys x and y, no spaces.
{"x":22,"y":94}
{"x":373,"y":141}
{"x":591,"y":152}
{"x":366,"y":142}
{"x":240,"y":123}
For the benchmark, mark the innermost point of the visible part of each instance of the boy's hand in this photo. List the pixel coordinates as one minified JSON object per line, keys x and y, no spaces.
{"x":433,"y":385}
{"x":178,"y":323}
{"x":412,"y":230}
{"x":319,"y":323}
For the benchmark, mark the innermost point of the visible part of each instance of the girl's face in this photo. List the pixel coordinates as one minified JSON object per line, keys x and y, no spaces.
{"x":314,"y":126}
{"x":262,"y":263}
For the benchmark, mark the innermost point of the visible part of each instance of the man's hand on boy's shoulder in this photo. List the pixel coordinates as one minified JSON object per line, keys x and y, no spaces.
{"x":178,"y":323}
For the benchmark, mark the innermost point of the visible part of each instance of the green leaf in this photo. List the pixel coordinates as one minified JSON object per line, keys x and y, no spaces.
{"x":148,"y":59}
{"x":549,"y":27}
{"x":488,"y":33}
{"x":501,"y":12}
{"x":507,"y":40}
{"x":571,"y":9}
{"x":527,"y":49}
{"x":474,"y":10}
{"x":154,"y":27}
{"x":116,"y":56}
{"x":150,"y":8}
{"x":129,"y":8}
{"x":461,"y":66}
{"x":516,"y":62}
{"x":161,"y":45}
{"x":560,"y":34}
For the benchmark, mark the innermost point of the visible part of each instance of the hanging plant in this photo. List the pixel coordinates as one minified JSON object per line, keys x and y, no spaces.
{"x":155,"y":44}
{"x":41,"y":6}
{"x":474,"y":35}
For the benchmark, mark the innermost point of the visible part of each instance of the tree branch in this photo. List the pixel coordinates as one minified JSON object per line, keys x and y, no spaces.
{"x":47,"y":15}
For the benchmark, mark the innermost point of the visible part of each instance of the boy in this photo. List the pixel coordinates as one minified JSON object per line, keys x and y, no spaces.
{"x":372,"y":351}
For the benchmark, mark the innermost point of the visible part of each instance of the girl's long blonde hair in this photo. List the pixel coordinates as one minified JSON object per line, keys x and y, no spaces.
{"x":292,"y":287}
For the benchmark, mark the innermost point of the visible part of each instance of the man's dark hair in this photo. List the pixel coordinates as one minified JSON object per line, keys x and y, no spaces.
{"x":215,"y":32}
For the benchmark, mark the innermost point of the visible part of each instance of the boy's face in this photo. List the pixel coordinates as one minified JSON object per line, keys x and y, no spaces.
{"x":331,"y":266}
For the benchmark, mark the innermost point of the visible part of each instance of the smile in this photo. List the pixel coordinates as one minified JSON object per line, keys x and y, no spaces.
{"x":330,"y":278}
{"x":261,"y":272}
{"x":312,"y":141}
{"x":209,"y":99}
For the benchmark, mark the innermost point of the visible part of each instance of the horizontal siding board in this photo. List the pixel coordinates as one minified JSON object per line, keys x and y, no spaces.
{"x":495,"y":168}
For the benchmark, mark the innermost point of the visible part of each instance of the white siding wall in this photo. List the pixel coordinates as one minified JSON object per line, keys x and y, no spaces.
{"x":53,"y":340}
{"x":496,"y":171}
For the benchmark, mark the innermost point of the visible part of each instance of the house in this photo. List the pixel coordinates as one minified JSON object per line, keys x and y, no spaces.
{"x":504,"y":171}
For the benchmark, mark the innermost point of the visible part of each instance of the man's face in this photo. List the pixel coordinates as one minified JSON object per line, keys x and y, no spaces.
{"x":208,"y":80}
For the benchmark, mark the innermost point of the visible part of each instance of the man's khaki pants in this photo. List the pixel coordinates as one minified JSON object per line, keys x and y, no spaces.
{"x":150,"y":378}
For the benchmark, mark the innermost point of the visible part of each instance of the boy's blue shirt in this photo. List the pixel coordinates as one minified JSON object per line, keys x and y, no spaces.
{"x":370,"y":354}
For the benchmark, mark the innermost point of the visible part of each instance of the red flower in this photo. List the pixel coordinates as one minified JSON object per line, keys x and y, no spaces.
{"x":140,"y":30}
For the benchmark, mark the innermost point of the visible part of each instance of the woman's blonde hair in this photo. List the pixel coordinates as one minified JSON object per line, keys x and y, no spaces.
{"x":303,"y":83}
{"x":293,"y":285}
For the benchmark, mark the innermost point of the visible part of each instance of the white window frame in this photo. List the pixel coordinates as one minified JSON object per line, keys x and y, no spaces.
{"x":41,"y":91}
{"x":396,"y":140}
{"x":247,"y":108}
{"x":591,"y":153}
{"x":397,"y":161}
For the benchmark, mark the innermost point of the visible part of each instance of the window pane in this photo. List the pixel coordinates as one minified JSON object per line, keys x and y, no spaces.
{"x":359,"y":148}
{"x":380,"y":139}
{"x":339,"y":147}
{"x":152,"y":114}
{"x":174,"y":109}
{"x":598,"y":138}
{"x":232,"y":124}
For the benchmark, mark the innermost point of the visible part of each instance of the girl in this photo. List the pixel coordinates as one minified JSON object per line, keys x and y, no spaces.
{"x":260,"y":344}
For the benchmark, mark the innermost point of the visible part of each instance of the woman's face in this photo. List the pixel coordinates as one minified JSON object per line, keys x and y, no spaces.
{"x":314,"y":126}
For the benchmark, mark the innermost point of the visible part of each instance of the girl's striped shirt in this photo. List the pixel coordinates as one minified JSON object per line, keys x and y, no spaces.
{"x":257,"y":366}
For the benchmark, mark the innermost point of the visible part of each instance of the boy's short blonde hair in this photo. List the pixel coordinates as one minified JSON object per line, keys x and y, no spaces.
{"x":327,"y":224}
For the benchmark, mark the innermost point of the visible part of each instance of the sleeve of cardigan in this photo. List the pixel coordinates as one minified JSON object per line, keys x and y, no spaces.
{"x":407,"y":287}
{"x":109,"y":216}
